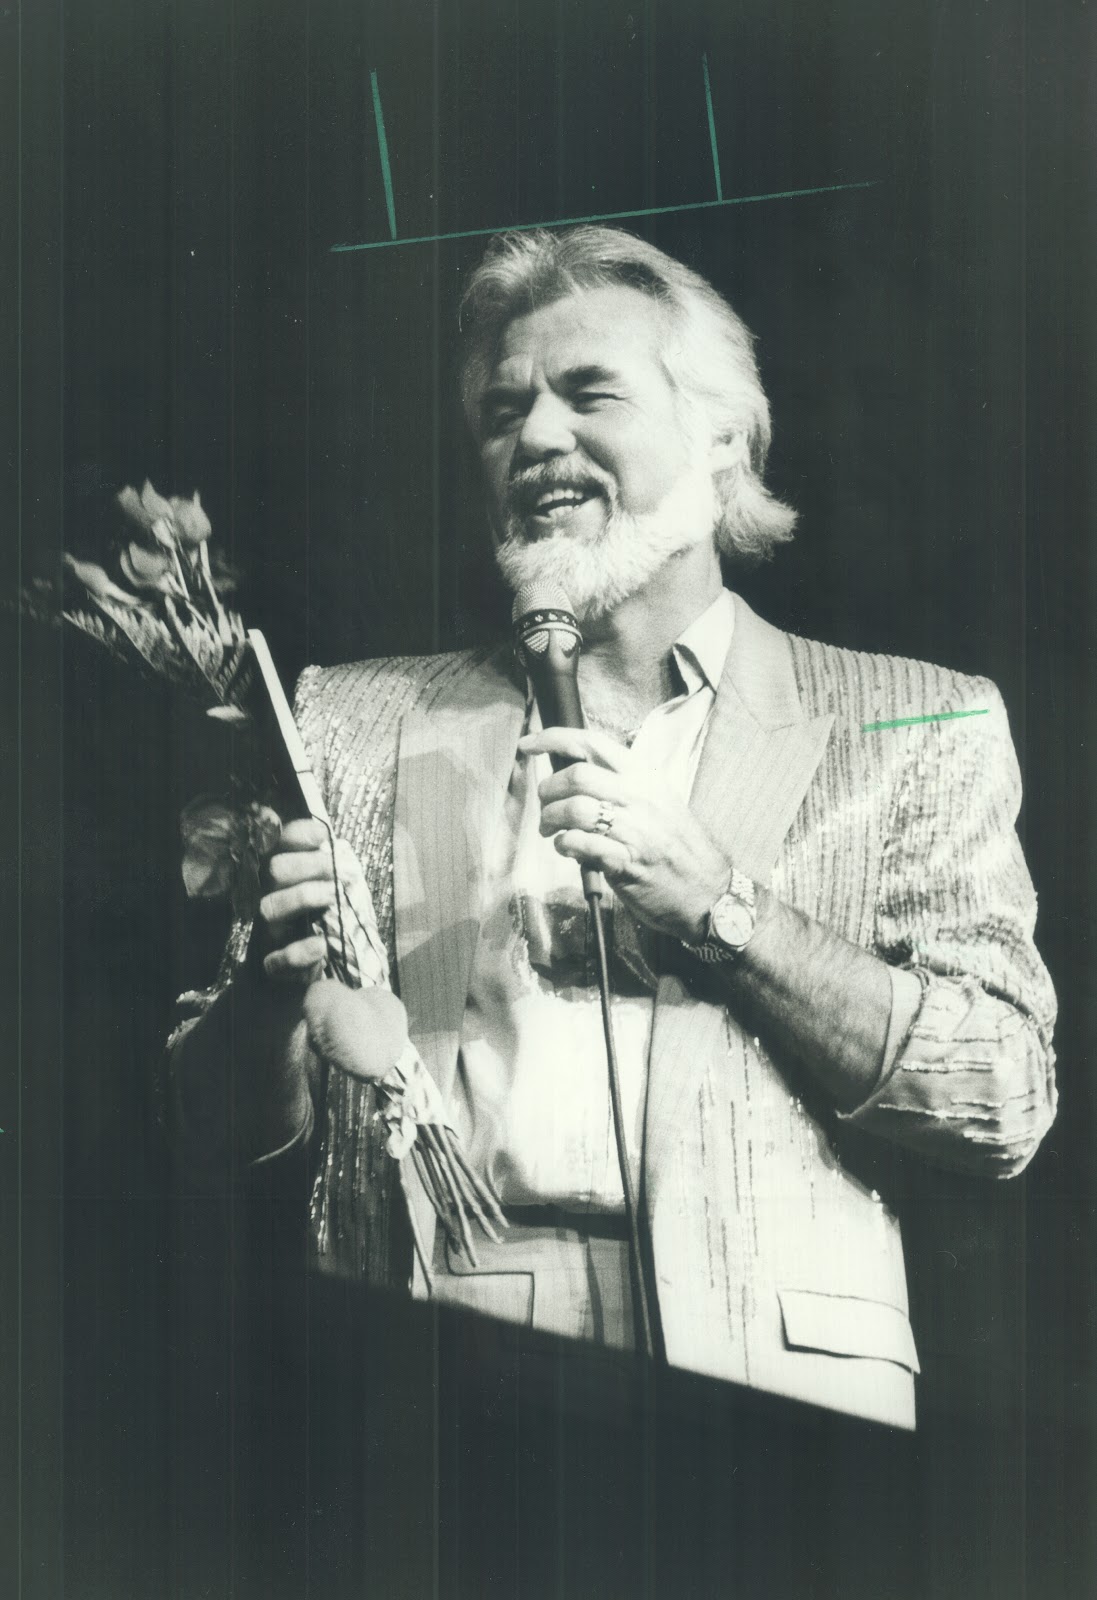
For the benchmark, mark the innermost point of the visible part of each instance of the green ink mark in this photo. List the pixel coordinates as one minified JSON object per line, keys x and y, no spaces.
{"x":908,"y":722}
{"x":601,"y":216}
{"x":379,"y":118}
{"x":712,"y":128}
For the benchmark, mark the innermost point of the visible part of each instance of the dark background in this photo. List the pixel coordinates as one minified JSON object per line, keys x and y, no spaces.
{"x":179,"y":1413}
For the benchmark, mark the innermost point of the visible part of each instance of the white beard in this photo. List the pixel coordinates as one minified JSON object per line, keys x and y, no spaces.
{"x":597,"y":572}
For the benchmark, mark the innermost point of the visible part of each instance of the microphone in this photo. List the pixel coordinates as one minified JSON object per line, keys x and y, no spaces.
{"x":547,"y":642}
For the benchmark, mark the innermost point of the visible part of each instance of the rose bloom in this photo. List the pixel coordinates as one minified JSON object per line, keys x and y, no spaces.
{"x":147,"y":569}
{"x":191,"y":525}
{"x":177,"y":521}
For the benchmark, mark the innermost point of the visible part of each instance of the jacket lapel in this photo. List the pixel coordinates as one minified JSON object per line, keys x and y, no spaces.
{"x":760,"y":755}
{"x":455,"y":760}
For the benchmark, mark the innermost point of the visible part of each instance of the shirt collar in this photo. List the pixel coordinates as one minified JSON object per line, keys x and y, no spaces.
{"x":702,"y":649}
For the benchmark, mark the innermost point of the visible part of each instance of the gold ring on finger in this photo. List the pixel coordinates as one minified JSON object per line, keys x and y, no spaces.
{"x":603,"y":822}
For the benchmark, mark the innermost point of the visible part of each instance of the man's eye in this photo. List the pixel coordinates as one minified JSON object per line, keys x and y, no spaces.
{"x":499,"y":418}
{"x":588,"y":398}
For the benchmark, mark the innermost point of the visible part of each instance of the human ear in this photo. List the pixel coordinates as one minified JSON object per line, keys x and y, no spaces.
{"x":727,"y":451}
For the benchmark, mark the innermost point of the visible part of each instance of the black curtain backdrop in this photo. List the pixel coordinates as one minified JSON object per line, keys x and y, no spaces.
{"x":181,"y":1414}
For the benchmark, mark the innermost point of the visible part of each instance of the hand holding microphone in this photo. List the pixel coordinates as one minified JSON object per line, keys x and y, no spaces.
{"x":602,"y":806}
{"x":548,"y":643}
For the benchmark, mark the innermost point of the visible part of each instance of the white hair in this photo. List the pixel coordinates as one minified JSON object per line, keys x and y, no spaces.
{"x":707,"y":352}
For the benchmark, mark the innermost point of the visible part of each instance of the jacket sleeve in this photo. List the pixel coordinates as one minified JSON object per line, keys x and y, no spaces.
{"x":970,"y":1082}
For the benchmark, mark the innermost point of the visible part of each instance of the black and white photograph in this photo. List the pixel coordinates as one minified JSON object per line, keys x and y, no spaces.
{"x":549,"y":676}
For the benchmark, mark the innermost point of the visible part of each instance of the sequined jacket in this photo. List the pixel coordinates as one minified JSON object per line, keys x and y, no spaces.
{"x":777,"y":1262}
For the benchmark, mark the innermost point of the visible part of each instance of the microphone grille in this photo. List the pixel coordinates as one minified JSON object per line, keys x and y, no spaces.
{"x":539,"y":596}
{"x":541,"y":611}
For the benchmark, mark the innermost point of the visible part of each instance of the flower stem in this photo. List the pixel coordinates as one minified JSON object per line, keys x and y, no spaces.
{"x":429,"y":1135}
{"x":416,"y":1236}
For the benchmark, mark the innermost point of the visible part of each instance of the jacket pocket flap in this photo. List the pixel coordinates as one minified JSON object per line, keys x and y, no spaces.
{"x":506,"y":1296}
{"x":843,"y":1325}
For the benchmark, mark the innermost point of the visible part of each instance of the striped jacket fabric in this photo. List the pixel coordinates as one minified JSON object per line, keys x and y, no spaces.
{"x":778,"y":1262}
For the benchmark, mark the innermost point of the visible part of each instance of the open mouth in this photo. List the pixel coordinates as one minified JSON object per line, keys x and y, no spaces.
{"x":546,"y":505}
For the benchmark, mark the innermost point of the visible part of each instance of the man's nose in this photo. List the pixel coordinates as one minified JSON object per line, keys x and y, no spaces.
{"x":546,"y":429}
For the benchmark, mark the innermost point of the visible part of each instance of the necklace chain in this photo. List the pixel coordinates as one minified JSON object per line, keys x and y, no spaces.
{"x":619,"y":731}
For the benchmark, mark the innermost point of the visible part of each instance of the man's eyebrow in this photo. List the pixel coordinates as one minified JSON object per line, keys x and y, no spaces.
{"x":583,"y":377}
{"x":498,"y":392}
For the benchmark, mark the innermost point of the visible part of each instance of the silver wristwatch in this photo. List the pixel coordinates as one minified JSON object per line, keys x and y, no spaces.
{"x":730,"y":923}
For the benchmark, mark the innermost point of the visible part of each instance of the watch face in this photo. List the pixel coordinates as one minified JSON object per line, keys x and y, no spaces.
{"x":732,"y":921}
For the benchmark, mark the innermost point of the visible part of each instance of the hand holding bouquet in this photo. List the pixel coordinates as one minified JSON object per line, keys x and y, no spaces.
{"x":158,"y":602}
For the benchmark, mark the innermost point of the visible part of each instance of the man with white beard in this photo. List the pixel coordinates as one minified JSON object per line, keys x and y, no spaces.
{"x":821,"y":930}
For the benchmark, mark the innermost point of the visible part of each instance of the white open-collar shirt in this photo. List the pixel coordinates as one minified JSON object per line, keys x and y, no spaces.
{"x":531,"y":1099}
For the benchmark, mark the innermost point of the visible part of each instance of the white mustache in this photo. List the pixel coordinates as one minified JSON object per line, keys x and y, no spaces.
{"x":527,"y":487}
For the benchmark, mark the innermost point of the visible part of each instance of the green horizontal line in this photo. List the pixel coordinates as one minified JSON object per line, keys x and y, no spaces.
{"x":908,"y":722}
{"x":602,"y":216}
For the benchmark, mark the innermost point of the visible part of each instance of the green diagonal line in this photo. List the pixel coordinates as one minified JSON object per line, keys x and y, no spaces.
{"x":601,"y":216}
{"x":908,"y":722}
{"x":383,"y":145}
{"x":712,"y":128}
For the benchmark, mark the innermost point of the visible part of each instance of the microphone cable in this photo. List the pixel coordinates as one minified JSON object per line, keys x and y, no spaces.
{"x":632,"y":1211}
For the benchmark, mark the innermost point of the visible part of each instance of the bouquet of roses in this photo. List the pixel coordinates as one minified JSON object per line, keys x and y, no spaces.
{"x":159,"y":603}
